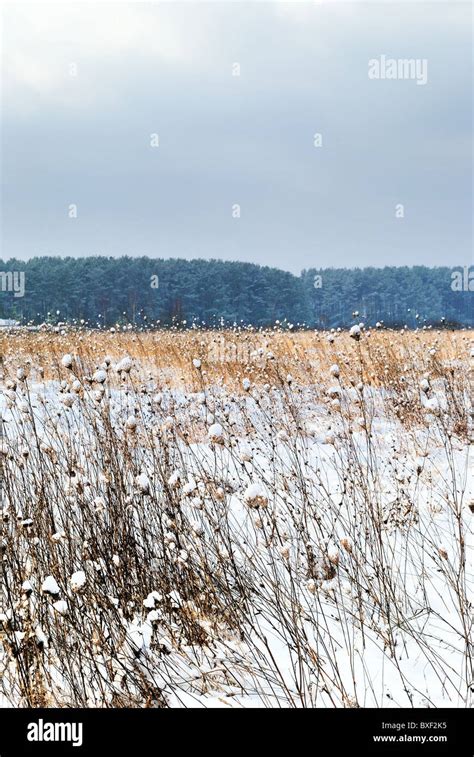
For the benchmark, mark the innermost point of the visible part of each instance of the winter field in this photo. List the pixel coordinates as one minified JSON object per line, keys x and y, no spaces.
{"x":237,"y":518}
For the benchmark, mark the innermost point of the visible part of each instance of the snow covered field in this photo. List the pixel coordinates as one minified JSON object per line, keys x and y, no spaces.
{"x":269,"y":541}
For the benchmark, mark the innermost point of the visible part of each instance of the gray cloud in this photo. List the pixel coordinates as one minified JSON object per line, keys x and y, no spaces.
{"x":145,"y":68}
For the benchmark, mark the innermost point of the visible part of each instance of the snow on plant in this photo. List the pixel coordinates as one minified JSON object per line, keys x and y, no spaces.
{"x":66,"y":360}
{"x":182,"y":543}
{"x":216,"y":433}
{"x":78,"y":580}
{"x":50,"y":586}
{"x":255,"y":496}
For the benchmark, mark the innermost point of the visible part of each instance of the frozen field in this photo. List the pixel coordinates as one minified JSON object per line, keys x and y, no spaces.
{"x":291,"y":529}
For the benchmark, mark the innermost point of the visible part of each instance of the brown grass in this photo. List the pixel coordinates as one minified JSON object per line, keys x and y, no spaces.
{"x":382,"y":358}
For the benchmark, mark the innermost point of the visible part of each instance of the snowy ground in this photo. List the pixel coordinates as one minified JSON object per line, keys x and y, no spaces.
{"x":265,"y":548}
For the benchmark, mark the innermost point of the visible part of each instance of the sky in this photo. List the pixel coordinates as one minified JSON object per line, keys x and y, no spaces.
{"x":85,"y":85}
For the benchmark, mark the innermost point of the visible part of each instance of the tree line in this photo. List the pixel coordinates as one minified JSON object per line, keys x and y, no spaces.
{"x":146,"y":291}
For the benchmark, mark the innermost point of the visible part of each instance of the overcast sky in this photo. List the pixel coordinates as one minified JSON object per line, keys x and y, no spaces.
{"x":166,"y":68}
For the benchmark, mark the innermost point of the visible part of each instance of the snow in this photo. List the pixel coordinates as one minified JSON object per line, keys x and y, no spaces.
{"x":174,"y":480}
{"x":255,"y":496}
{"x":216,"y":433}
{"x":125,"y":365}
{"x":143,"y":483}
{"x":152,"y":598}
{"x":99,"y":376}
{"x":66,"y":360}
{"x":78,"y":580}
{"x":264,"y":484}
{"x":61,"y":607}
{"x":50,"y":586}
{"x":424,"y":385}
{"x":68,"y":400}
